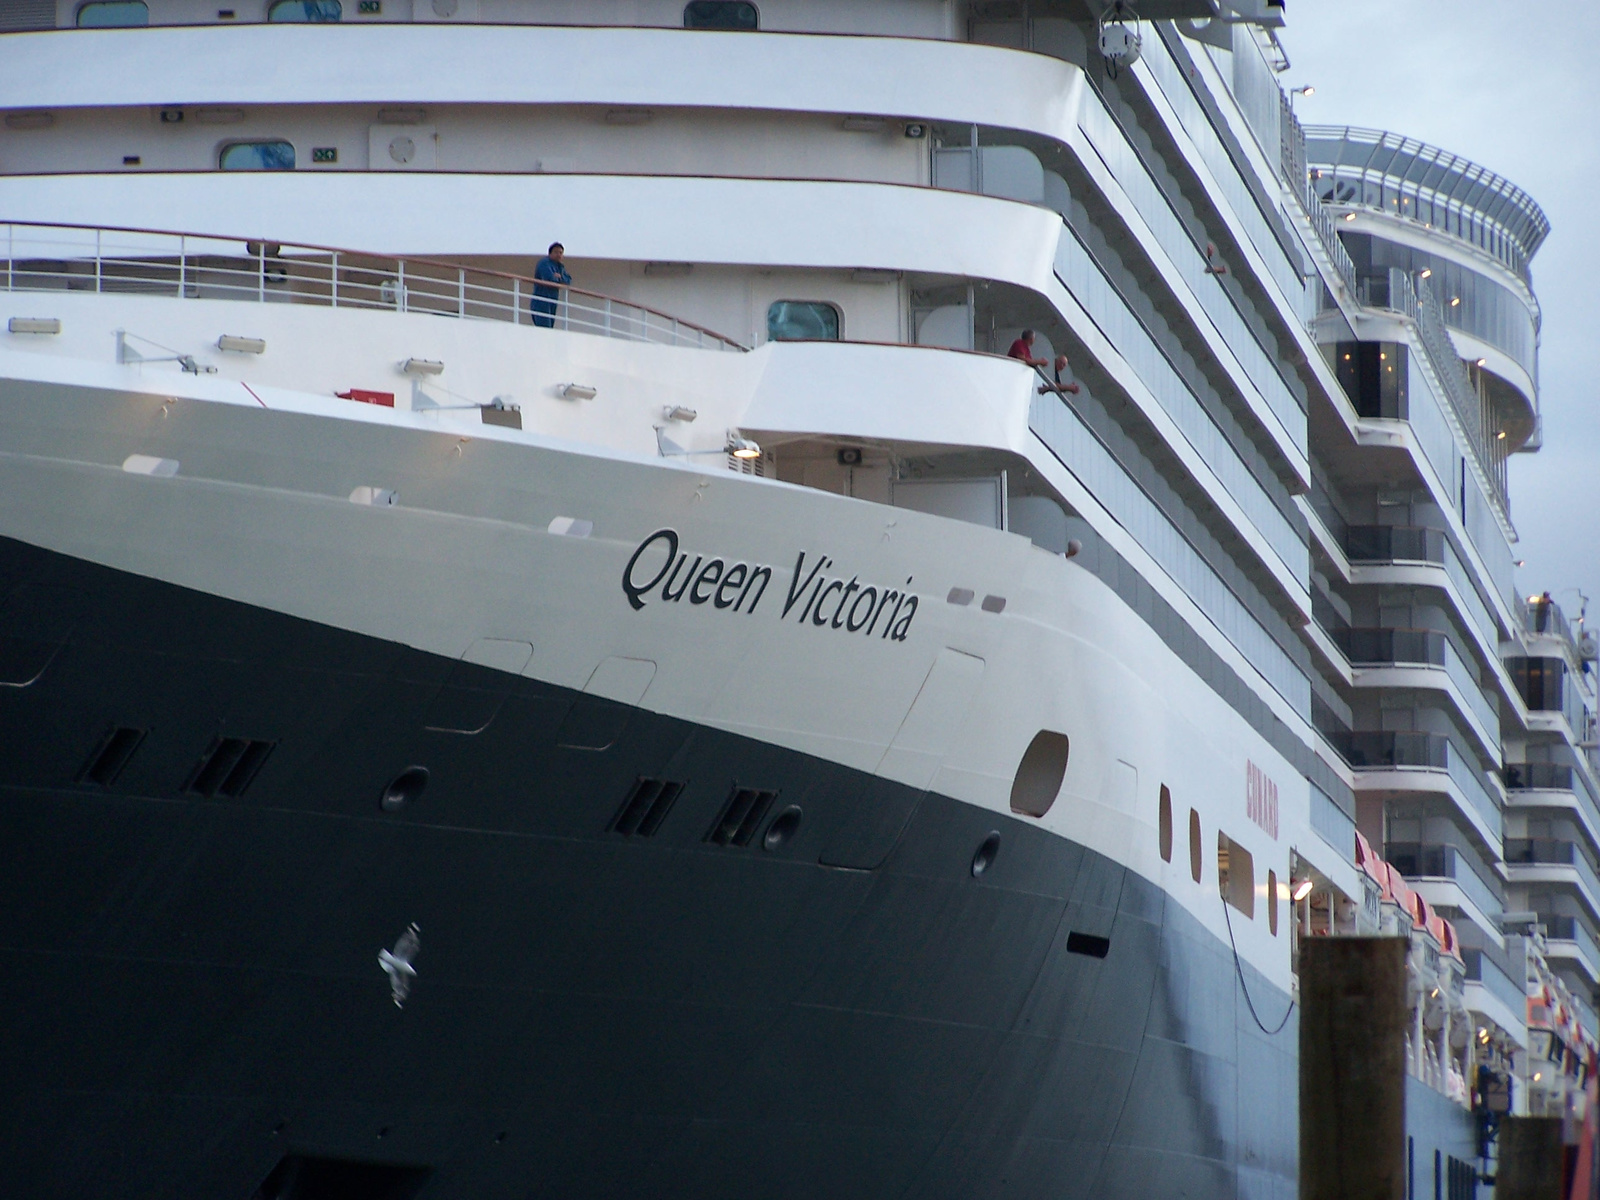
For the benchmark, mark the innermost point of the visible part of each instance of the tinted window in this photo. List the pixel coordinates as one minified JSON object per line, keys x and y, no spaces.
{"x":802,"y":320}
{"x":257,"y":156}
{"x":305,"y":10}
{"x":720,"y":14}
{"x":113,"y":14}
{"x":1164,"y":824}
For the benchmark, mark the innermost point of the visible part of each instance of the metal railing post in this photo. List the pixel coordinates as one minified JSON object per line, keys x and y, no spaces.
{"x":400,"y":285}
{"x":516,"y":300}
{"x":97,"y":261}
{"x":183,"y":266}
{"x":333,"y":281}
{"x":261,"y":272}
{"x":461,"y":291}
{"x":11,"y":257}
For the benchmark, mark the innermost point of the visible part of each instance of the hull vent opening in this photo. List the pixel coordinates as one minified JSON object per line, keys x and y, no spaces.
{"x":228,"y":767}
{"x":1088,"y":943}
{"x":741,"y":817}
{"x":111,"y":756}
{"x":302,"y":1177}
{"x":648,"y":803}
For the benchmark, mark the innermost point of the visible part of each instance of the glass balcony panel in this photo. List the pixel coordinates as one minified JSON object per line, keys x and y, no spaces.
{"x":1081,"y":275}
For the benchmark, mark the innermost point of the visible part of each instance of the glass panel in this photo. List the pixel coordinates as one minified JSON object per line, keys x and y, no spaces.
{"x":720,"y":14}
{"x":113,"y":14}
{"x":305,"y":10}
{"x":802,"y":320}
{"x":257,"y":156}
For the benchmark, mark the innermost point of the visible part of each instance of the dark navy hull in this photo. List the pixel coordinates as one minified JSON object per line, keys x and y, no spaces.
{"x":190,"y":991}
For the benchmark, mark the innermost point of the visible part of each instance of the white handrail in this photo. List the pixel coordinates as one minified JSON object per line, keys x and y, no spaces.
{"x":52,"y":257}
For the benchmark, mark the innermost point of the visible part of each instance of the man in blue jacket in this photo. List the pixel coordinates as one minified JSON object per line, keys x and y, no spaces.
{"x":553,"y":274}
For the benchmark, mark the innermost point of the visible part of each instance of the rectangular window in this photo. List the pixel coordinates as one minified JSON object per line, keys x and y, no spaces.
{"x":1236,"y":875}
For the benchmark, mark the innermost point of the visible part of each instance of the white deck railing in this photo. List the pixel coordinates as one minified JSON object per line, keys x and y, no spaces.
{"x":74,"y":258}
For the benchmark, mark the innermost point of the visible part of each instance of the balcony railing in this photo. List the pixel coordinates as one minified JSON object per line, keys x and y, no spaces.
{"x":1553,"y":852}
{"x":1394,"y":543}
{"x":1368,"y":750}
{"x":1447,"y":862}
{"x":1556,"y":777}
{"x":1417,"y":544}
{"x":1546,"y":619}
{"x":1570,"y":929}
{"x":1484,"y":970}
{"x":72,"y":258}
{"x":1423,"y":647}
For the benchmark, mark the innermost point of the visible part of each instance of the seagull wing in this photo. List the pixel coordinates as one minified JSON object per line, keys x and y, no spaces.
{"x":410,"y":942}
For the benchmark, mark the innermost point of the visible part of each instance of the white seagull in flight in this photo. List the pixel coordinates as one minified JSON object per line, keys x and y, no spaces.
{"x":396,"y":964}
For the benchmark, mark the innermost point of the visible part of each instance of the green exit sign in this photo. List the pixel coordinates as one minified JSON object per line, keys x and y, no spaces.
{"x":324,"y":154}
{"x":370,"y":8}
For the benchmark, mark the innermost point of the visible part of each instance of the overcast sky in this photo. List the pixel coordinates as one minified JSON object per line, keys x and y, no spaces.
{"x":1515,"y":87}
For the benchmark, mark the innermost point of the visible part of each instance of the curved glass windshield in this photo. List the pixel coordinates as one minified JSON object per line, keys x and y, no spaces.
{"x":257,"y":156}
{"x":802,"y":321}
{"x":720,"y":14}
{"x":305,"y":10}
{"x":113,"y":14}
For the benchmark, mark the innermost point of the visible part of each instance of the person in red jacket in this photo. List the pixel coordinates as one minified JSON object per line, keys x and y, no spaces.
{"x":1022,"y":349}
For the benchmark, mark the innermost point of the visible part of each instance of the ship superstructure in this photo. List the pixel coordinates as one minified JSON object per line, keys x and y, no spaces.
{"x":725,"y":727}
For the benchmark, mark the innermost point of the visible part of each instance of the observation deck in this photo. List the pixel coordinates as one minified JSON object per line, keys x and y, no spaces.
{"x":1403,"y":177}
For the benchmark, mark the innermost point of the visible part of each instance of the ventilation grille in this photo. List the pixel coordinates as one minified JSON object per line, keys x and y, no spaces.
{"x":27,"y":14}
{"x":647,"y":805}
{"x":228,"y":767}
{"x":741,"y":817}
{"x":111,"y":755}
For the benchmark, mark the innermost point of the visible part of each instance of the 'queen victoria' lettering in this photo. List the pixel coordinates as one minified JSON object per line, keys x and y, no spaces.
{"x":659,"y":571}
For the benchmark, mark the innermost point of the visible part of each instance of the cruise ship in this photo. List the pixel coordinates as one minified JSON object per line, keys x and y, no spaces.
{"x":694,"y":713}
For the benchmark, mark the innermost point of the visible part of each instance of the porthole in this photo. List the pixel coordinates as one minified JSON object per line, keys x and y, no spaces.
{"x":403,"y":789}
{"x":301,"y":11}
{"x":1039,"y":774}
{"x":1164,"y":824}
{"x":984,"y":857}
{"x":1196,"y":855}
{"x":1272,"y":903}
{"x":783,"y":828}
{"x":257,"y":156}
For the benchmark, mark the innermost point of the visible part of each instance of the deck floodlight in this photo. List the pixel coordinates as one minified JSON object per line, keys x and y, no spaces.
{"x":578,"y":391}
{"x":741,"y":447}
{"x":1302,"y":890}
{"x":242,"y":345}
{"x":680,"y":412}
{"x":421,"y":366}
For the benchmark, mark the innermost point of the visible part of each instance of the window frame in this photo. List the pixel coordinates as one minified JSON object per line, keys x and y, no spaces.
{"x":222,"y":153}
{"x":838,"y":319}
{"x":756,"y":28}
{"x":87,"y":5}
{"x":1240,"y":863}
{"x":274,"y":5}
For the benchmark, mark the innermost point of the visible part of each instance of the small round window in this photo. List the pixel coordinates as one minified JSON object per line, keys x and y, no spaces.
{"x":257,"y":156}
{"x":113,"y":14}
{"x":802,"y":321}
{"x":305,"y":10}
{"x":720,"y":14}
